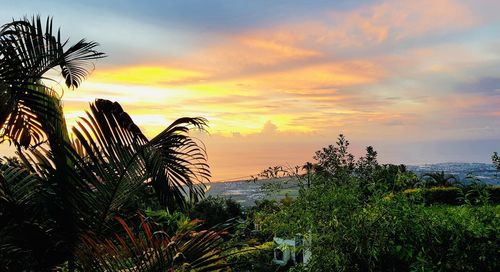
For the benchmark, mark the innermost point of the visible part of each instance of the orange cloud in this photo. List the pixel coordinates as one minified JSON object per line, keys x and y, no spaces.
{"x":246,"y":51}
{"x":331,"y":76}
{"x":316,"y":42}
{"x":279,"y":49}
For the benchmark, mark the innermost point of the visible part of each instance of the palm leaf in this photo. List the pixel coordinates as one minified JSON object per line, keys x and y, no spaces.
{"x":17,"y":186}
{"x":27,"y":240}
{"x":150,"y":250}
{"x":119,"y":151}
{"x":27,"y":51}
{"x":182,"y":163}
{"x":32,"y":50}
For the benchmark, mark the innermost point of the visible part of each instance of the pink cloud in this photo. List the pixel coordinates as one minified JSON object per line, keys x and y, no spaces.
{"x":396,"y":20}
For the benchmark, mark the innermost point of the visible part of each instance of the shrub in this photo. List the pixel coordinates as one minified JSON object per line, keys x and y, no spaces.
{"x":258,"y":258}
{"x":216,"y":210}
{"x":287,"y":200}
{"x":169,"y":222}
{"x":494,"y":194}
{"x":456,"y":195}
{"x":434,"y":195}
{"x":351,"y":233}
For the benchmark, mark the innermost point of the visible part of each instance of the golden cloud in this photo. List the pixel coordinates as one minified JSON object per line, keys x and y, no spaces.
{"x":147,"y":75}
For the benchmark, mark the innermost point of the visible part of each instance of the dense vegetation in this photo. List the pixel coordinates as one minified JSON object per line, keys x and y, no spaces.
{"x":71,"y":200}
{"x":361,"y":216}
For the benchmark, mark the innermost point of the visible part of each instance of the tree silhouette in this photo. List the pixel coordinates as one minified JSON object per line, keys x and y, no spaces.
{"x":496,"y":160}
{"x":72,"y":186}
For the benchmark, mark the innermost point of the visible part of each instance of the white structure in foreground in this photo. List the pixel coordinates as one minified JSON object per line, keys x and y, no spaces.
{"x":297,"y":250}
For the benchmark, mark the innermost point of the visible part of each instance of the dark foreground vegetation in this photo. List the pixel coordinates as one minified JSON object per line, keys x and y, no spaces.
{"x":104,"y":197}
{"x":75,"y":200}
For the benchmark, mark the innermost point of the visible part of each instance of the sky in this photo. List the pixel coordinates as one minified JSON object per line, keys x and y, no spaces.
{"x":278,"y":80}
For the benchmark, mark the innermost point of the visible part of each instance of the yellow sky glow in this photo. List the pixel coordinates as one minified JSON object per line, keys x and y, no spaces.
{"x":274,"y":91}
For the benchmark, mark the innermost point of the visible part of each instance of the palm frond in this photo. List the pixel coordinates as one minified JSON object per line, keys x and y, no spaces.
{"x":27,"y":241}
{"x":17,"y":186}
{"x":27,"y":51}
{"x":31,"y":108}
{"x":153,"y":250}
{"x":119,"y":151}
{"x":31,"y":50}
{"x":113,"y":165}
{"x":182,"y":161}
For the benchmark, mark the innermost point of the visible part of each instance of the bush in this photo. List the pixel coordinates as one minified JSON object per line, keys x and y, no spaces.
{"x":258,"y":258}
{"x":394,"y":178}
{"x":169,"y":222}
{"x":456,"y":195}
{"x":435,"y":195}
{"x":352,"y":233}
{"x":494,"y":194}
{"x":216,"y":210}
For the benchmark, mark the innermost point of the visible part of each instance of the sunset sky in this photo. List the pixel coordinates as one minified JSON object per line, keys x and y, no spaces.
{"x":278,"y":80}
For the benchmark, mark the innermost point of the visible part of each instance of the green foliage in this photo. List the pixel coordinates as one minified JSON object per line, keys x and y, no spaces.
{"x":366,"y":166}
{"x":266,"y":205}
{"x":216,"y":210}
{"x":168,"y":222}
{"x":262,"y":209}
{"x":438,"y":179}
{"x":436,"y":195}
{"x":386,"y":178}
{"x":336,"y":160}
{"x":257,"y":258}
{"x":150,"y":249}
{"x":353,"y":233}
{"x":286,"y":201}
{"x":405,"y":180}
{"x":494,"y":194}
{"x":473,"y":194}
{"x":363,"y":216}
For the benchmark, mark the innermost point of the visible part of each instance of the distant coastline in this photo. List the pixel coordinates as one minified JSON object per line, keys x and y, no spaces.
{"x":247,"y":192}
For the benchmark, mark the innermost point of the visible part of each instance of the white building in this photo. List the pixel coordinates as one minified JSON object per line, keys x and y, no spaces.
{"x":297,"y":250}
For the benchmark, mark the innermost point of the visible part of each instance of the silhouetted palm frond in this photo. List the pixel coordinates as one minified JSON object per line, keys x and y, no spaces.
{"x":71,"y":188}
{"x":27,"y":51}
{"x":27,"y":240}
{"x":17,"y":185}
{"x":169,"y":162}
{"x":148,"y":249}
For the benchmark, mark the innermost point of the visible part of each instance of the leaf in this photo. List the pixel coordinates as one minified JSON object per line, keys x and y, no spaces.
{"x":27,"y":52}
{"x":169,"y":162}
{"x":153,"y":250}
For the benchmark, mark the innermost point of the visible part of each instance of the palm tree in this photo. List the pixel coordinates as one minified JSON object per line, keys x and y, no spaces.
{"x":72,"y":186}
{"x":439,"y":179}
